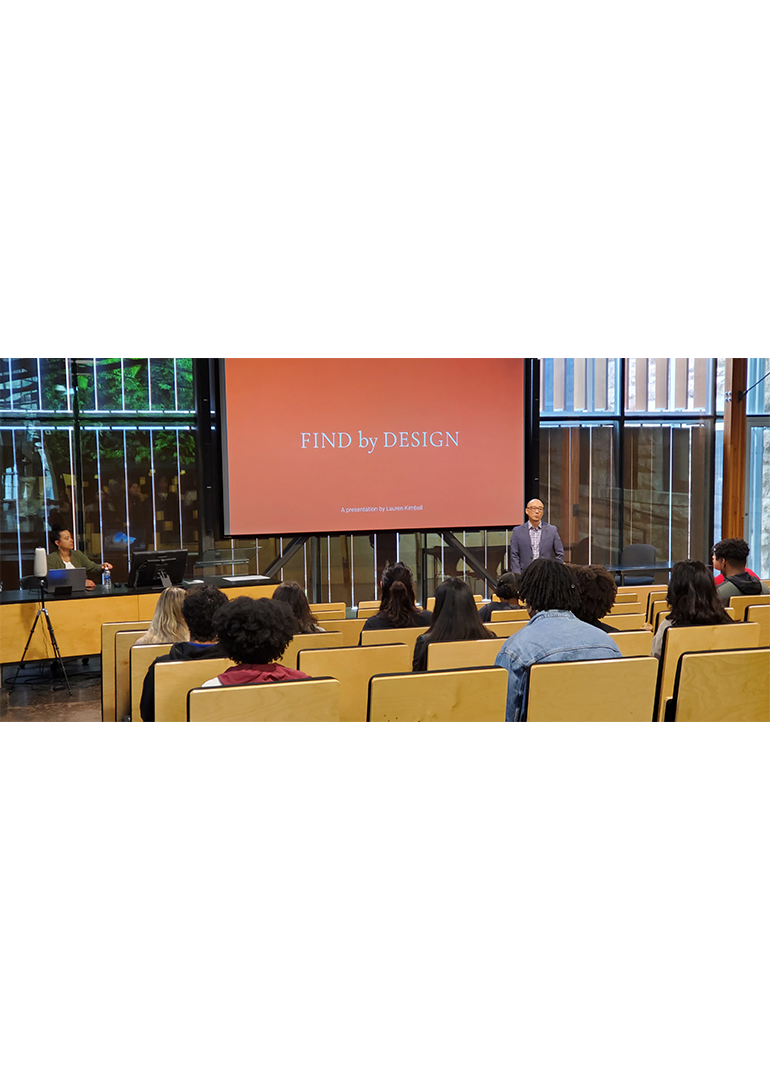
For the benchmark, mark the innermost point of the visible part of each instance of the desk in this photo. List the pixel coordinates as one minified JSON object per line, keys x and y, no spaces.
{"x":77,"y":620}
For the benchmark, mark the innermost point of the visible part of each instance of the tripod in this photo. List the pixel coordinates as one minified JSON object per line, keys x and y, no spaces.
{"x":11,"y":683}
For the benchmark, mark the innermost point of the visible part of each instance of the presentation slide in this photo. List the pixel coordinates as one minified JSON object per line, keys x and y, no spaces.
{"x":326,"y":446}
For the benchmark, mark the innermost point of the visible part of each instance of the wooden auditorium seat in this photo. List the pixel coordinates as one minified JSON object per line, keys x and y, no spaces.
{"x":407,"y":635}
{"x":740,"y":603}
{"x":760,"y":614}
{"x":470,"y":694}
{"x":512,"y":615}
{"x":109,"y":630}
{"x":124,"y":641}
{"x":445,"y":655}
{"x":505,"y":627}
{"x":174,"y":680}
{"x":353,"y":668}
{"x":716,"y":686}
{"x":682,"y":639}
{"x":329,"y":611}
{"x":139,"y":659}
{"x":632,"y":608}
{"x":288,"y":702}
{"x":624,"y":622}
{"x":633,"y":642}
{"x":349,"y":628}
{"x":309,"y":641}
{"x":597,"y":690}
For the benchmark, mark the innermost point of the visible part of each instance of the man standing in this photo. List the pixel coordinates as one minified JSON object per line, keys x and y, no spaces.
{"x":66,"y":558}
{"x":534,"y":540}
{"x":730,"y":559}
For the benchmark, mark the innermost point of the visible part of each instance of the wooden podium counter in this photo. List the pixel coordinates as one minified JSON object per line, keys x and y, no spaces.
{"x":77,"y":621}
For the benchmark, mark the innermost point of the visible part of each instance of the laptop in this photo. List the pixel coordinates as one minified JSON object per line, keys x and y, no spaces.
{"x":66,"y":582}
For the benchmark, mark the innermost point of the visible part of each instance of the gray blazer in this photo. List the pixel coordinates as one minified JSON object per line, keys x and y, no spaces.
{"x":551,"y":546}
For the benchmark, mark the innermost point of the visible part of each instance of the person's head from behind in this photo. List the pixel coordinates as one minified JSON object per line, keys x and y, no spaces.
{"x":547,"y":585}
{"x":255,"y":631}
{"x":289,"y":592}
{"x":398,"y":600}
{"x":200,"y":605}
{"x":730,"y":556}
{"x":597,"y":591}
{"x":506,"y":589}
{"x":168,"y":622}
{"x":693,"y":597}
{"x":455,"y":616}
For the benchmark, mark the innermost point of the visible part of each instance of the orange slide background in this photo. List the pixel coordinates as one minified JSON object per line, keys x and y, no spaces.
{"x":278,"y":488}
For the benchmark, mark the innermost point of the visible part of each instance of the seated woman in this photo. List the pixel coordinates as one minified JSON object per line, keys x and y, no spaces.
{"x":254,"y":633}
{"x":290,"y":593}
{"x":168,"y":624}
{"x":692,"y":595}
{"x":455,"y":618}
{"x":597,"y":594}
{"x":507,"y":598}
{"x":397,"y":607}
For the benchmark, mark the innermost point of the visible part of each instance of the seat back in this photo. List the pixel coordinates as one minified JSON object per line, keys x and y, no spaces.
{"x":353,"y":668}
{"x":407,"y":635}
{"x":124,"y":640}
{"x":175,"y":679}
{"x":471,"y":694}
{"x":349,"y":628}
{"x":657,"y":592}
{"x":628,"y":595}
{"x":656,"y":606}
{"x":512,"y":615}
{"x":109,"y":630}
{"x":329,"y":611}
{"x":633,"y":607}
{"x":286,"y":702}
{"x":633,"y":642}
{"x":505,"y":627}
{"x":706,"y":684}
{"x":139,"y":660}
{"x":445,"y":655}
{"x":369,"y":607}
{"x":624,"y":622}
{"x":682,"y":639}
{"x":638,"y":555}
{"x":329,"y":640}
{"x":760,"y":614}
{"x":592,"y":690}
{"x":740,"y":603}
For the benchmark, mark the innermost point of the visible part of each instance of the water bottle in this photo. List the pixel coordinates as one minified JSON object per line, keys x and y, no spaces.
{"x":106,"y":581}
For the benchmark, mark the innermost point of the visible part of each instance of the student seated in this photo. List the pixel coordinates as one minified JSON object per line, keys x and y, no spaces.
{"x":255,"y":633}
{"x":692,"y":596}
{"x":200,"y":605}
{"x":397,"y":607}
{"x":507,"y":598}
{"x":168,"y":623}
{"x":66,"y":558}
{"x":305,"y":621}
{"x":597,"y":595}
{"x":553,"y":632}
{"x":729,"y":559}
{"x":455,"y":618}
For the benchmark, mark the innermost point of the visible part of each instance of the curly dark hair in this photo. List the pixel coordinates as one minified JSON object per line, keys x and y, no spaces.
{"x":734,"y":550}
{"x":547,"y":585}
{"x":294,"y":595}
{"x":398,"y":603}
{"x":506,"y":587}
{"x":597,"y":591}
{"x":693,"y":596}
{"x":200,"y":605}
{"x":255,"y":631}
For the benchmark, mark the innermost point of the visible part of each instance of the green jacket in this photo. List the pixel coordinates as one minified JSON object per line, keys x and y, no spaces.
{"x":78,"y":559}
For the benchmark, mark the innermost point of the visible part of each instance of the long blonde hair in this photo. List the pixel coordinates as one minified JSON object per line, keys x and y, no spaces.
{"x":167,"y":624}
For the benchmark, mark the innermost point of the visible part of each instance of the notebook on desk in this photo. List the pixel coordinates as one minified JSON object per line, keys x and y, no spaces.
{"x":66,"y":582}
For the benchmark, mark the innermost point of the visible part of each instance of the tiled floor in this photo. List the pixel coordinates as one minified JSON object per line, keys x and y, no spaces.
{"x":37,"y":697}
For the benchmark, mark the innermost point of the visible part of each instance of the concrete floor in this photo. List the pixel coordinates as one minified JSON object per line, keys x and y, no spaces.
{"x":36,"y":697}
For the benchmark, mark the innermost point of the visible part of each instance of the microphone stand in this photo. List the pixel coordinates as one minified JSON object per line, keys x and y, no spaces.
{"x":43,"y":610}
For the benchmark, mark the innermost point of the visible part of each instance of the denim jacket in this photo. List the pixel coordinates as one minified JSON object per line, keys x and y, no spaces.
{"x":548,"y":636}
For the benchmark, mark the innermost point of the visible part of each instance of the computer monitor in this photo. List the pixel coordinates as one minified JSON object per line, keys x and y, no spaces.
{"x":149,"y":568}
